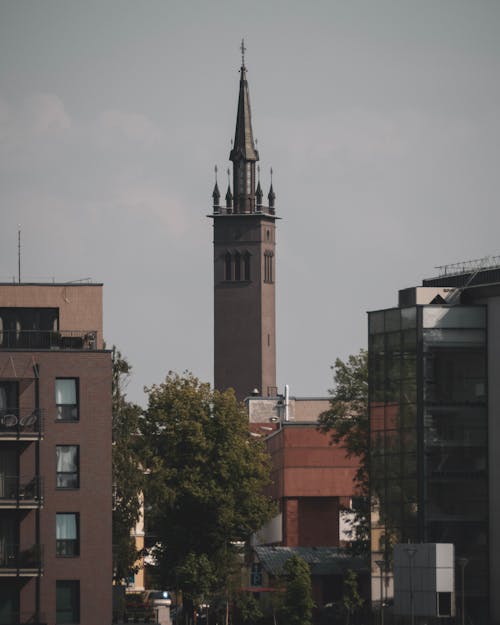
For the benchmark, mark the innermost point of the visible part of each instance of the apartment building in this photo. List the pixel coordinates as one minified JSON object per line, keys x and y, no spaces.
{"x":55,"y":456}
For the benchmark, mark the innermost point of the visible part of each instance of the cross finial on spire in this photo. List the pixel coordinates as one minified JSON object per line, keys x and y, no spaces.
{"x":271,"y":175}
{"x":215,"y":171}
{"x":243,"y":50}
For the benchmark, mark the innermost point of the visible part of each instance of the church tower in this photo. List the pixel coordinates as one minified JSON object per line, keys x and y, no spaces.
{"x":244,"y":268}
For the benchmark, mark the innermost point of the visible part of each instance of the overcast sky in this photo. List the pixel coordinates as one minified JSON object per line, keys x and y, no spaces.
{"x":380,"y":120}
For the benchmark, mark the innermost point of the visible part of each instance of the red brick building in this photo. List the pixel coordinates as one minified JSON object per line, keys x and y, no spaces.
{"x":55,"y":456}
{"x":312,"y":480}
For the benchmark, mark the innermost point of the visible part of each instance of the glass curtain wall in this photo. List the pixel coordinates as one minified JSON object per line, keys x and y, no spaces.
{"x":393,"y":422}
{"x":455,"y":431}
{"x":428,"y":421}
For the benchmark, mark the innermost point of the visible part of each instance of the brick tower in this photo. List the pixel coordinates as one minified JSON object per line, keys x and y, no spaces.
{"x":244,"y":269}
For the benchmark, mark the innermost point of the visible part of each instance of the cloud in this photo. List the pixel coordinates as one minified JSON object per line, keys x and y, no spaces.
{"x":113,"y":125}
{"x":148,"y":201}
{"x":44,"y":113}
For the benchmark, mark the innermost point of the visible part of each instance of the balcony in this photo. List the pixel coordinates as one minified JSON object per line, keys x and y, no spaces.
{"x":48,"y":339}
{"x":20,"y":492}
{"x":16,"y":424}
{"x":17,"y":562}
{"x":22,"y":618}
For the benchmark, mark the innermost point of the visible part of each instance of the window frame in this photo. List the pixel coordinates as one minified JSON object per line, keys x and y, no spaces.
{"x":65,"y":473}
{"x":73,"y":585}
{"x":72,"y":543}
{"x":75,"y":406}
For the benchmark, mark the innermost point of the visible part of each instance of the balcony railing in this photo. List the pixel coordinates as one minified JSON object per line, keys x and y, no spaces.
{"x":22,"y":618}
{"x":20,"y":492}
{"x":20,"y":424}
{"x":15,"y":561}
{"x":48,"y":339}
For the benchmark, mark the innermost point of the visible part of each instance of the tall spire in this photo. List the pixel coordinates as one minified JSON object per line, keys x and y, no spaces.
{"x":244,"y":154}
{"x":244,"y":146}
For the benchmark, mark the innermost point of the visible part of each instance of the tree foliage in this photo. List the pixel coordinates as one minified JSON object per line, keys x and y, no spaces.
{"x":347,"y":421}
{"x":351,"y":599}
{"x":127,"y":473}
{"x":298,"y":603}
{"x":204,"y":483}
{"x":246,"y":609}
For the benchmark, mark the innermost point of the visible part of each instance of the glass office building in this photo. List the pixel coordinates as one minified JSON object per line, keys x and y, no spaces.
{"x":428,"y":398}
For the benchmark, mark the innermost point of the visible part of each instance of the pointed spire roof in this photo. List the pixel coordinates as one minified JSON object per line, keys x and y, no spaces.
{"x":229,"y":197}
{"x":271,"y":196}
{"x":258,"y":194}
{"x":216,"y":193}
{"x":244,"y":146}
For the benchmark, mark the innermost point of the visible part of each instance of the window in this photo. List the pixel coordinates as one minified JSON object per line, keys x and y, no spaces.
{"x":67,"y":399}
{"x":67,"y":601}
{"x":227,"y":266}
{"x":256,"y":574}
{"x":268,"y":266}
{"x":237,"y":266}
{"x":246,"y":266}
{"x":67,"y":534}
{"x":67,"y":466}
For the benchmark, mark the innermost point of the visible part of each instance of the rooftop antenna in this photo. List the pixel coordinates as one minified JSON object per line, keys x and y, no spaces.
{"x":19,"y":253}
{"x":243,"y":50}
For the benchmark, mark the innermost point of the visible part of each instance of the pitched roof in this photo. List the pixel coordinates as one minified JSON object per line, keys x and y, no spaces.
{"x":322,"y":560}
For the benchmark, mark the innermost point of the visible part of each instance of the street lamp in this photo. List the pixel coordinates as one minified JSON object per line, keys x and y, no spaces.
{"x":462,"y":563}
{"x":381,"y":566}
{"x":410,"y":552}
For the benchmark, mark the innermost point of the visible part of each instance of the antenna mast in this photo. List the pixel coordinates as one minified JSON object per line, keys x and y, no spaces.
{"x":19,"y":253}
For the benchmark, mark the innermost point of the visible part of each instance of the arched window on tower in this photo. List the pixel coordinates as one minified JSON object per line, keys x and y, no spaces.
{"x":237,"y":266}
{"x":246,"y":266}
{"x":268,"y":267}
{"x":228,"y":274}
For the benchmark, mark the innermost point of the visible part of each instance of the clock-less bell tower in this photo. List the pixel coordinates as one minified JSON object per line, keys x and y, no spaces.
{"x":244,"y":268}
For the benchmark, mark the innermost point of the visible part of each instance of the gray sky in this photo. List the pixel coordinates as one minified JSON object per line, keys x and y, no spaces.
{"x":379,"y":118}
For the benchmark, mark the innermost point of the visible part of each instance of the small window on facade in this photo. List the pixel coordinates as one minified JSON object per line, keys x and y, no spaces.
{"x":256,"y":574}
{"x":268,"y":267}
{"x":237,"y":266}
{"x":67,"y":399}
{"x":68,"y":602}
{"x":268,"y":235}
{"x":246,"y":266}
{"x":67,"y":534}
{"x":227,"y":267}
{"x":67,"y":466}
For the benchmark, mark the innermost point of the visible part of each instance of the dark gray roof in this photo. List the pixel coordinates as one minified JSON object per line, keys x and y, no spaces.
{"x":322,"y":560}
{"x":244,"y":146}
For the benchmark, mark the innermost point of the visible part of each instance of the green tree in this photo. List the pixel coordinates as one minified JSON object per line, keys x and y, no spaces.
{"x":347,"y":421}
{"x":246,"y":609}
{"x":127,"y":473}
{"x":351,"y":599}
{"x":298,"y":603}
{"x":205,"y":483}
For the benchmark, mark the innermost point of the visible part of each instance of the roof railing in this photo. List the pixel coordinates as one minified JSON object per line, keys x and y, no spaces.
{"x":468,"y":266}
